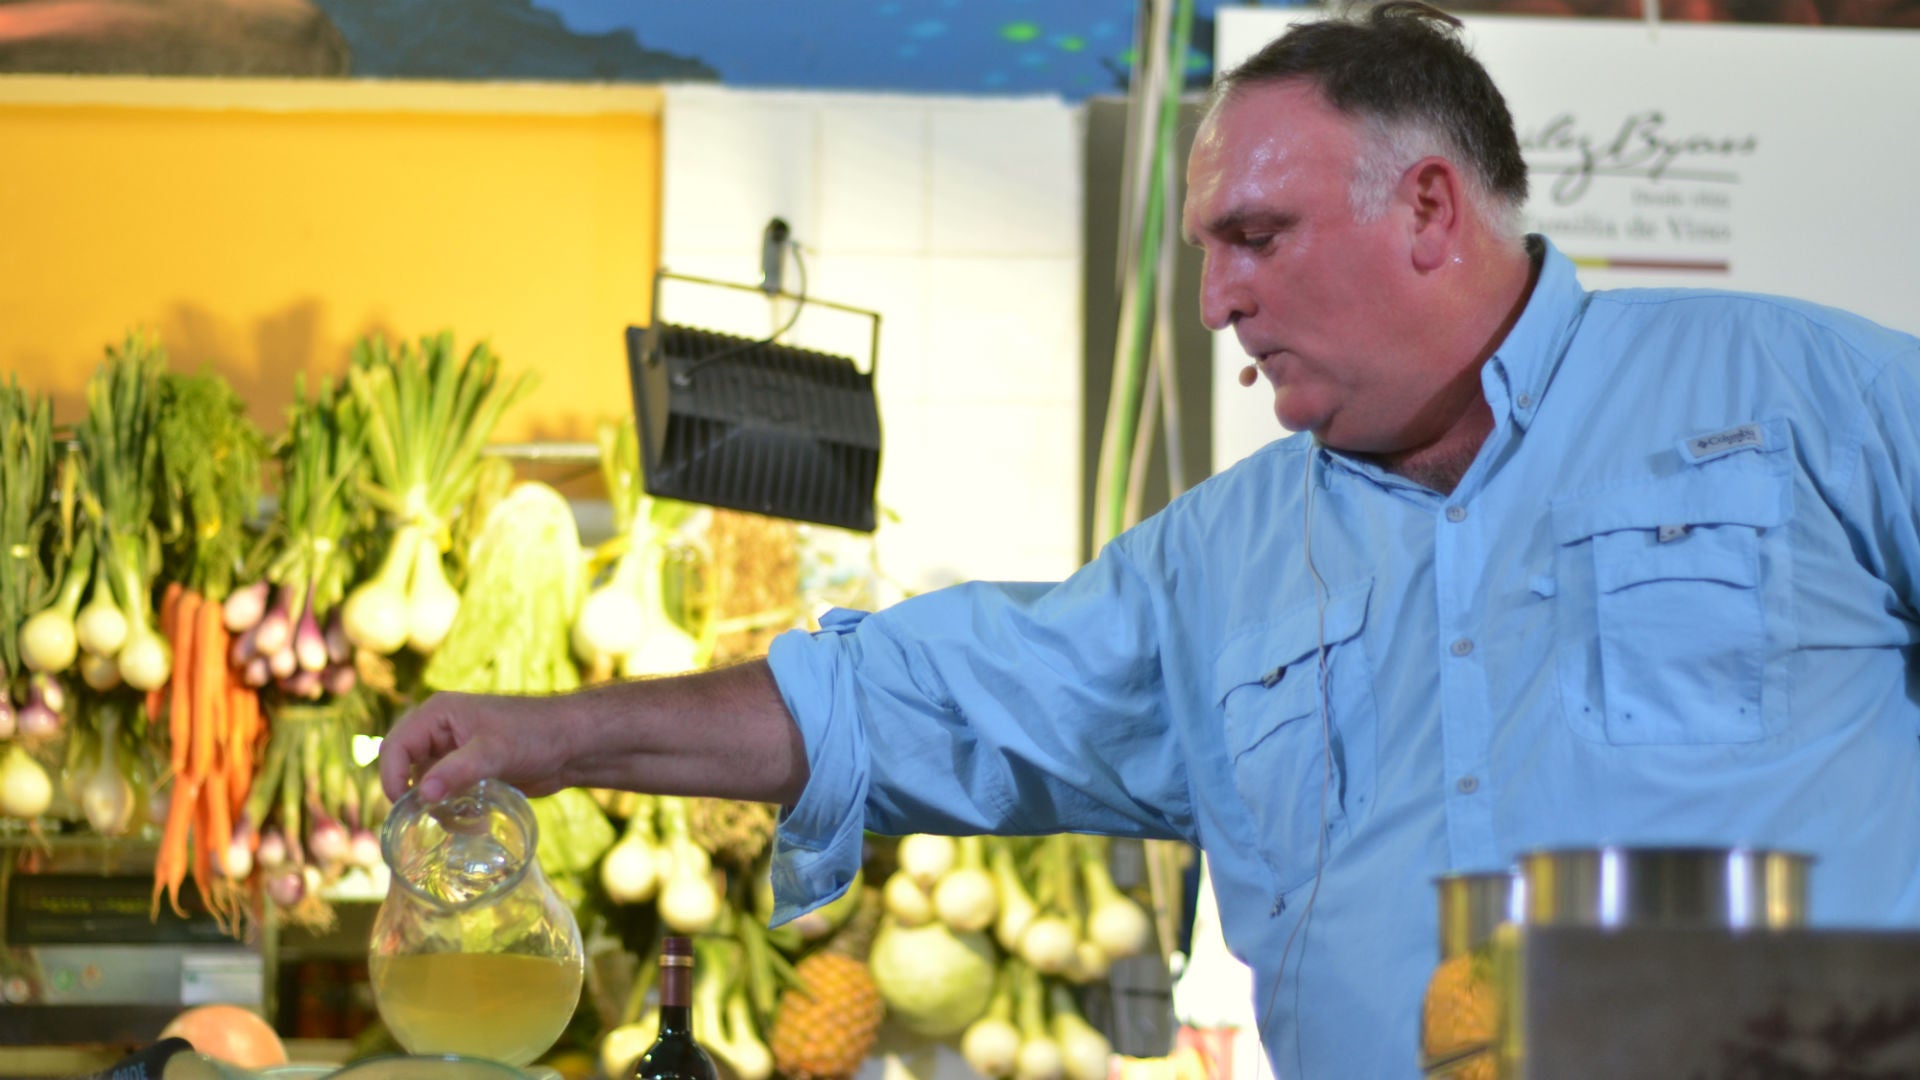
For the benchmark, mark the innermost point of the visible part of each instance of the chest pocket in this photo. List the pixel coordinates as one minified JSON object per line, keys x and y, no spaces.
{"x":1673,"y":649}
{"x":1293,"y":774}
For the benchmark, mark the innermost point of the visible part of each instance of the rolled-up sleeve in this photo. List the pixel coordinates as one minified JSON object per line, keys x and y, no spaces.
{"x":817,"y":849}
{"x":981,"y":708}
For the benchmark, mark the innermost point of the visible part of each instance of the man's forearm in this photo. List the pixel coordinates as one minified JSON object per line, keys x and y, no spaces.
{"x":724,"y":733}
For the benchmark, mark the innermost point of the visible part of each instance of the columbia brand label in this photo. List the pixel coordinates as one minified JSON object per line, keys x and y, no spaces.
{"x":1702,"y":447}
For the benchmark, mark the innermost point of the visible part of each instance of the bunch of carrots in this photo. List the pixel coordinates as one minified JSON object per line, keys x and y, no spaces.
{"x":210,"y":463}
{"x":216,"y":728}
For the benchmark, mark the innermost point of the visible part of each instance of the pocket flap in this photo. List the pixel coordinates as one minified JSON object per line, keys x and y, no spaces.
{"x":1264,"y":651}
{"x":1723,"y":494}
{"x":1727,"y":555}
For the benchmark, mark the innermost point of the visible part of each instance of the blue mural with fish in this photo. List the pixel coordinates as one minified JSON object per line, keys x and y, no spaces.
{"x":1070,"y":48}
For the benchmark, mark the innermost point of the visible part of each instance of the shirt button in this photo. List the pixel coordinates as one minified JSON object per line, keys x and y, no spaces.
{"x":1456,"y":513}
{"x":1525,"y":401}
{"x":1461,"y":646}
{"x":1467,"y":785}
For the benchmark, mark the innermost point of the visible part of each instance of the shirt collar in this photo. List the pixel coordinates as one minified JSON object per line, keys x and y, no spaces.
{"x":1521,"y":369}
{"x":1523,"y":366}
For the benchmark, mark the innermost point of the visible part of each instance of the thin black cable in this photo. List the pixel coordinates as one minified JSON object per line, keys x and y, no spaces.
{"x":685,"y":378}
{"x":1326,"y":780}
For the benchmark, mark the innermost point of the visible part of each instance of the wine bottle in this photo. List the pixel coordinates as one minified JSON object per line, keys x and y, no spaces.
{"x":674,"y":1055}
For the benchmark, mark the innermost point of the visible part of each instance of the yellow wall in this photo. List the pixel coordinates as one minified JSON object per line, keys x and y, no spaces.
{"x":263,"y":226}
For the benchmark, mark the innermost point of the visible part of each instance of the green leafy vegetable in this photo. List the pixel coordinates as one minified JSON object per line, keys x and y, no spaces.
{"x":523,"y":591}
{"x":211,"y":458}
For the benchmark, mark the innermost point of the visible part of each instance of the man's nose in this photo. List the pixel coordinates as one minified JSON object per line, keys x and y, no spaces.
{"x":1222,"y":301}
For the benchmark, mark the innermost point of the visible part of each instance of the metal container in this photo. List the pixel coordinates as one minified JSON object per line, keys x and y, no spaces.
{"x":1472,"y":906}
{"x":1697,"y":887}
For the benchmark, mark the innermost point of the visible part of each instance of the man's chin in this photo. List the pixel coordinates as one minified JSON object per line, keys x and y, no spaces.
{"x":1299,"y":419}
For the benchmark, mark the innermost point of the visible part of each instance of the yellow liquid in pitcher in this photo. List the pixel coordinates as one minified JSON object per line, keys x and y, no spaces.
{"x":505,"y":1007}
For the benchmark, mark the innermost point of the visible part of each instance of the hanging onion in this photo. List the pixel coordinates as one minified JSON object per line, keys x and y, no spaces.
{"x":26,"y":791}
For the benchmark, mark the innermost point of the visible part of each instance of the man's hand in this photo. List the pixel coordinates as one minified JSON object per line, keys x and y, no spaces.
{"x":453,"y":740}
{"x":724,"y":733}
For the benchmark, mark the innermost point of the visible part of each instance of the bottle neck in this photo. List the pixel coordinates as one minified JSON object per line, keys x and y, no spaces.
{"x":676,"y":1020}
{"x":676,"y":993}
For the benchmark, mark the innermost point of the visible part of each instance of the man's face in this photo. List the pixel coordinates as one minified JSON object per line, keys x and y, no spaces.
{"x":1316,"y":299}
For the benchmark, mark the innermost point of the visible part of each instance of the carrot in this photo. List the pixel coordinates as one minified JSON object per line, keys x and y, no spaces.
{"x":208,"y":672}
{"x":169,"y":606}
{"x":243,"y":706}
{"x":169,"y":609}
{"x":219,"y":824}
{"x":180,"y":722}
{"x":170,"y":864}
{"x":219,"y":817}
{"x":218,"y":673}
{"x":203,"y":853}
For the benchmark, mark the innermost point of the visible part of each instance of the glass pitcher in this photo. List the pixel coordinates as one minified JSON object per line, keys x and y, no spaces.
{"x":473,"y":953}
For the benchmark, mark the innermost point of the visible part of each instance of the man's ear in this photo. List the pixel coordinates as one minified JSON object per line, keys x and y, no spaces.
{"x":1434,"y":190}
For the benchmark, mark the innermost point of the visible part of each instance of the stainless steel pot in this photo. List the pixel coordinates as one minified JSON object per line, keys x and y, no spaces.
{"x":1701,"y":887}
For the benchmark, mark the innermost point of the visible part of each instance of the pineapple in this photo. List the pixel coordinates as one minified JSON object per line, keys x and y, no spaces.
{"x":827,"y":1025}
{"x":1461,"y":1012}
{"x":734,"y":832}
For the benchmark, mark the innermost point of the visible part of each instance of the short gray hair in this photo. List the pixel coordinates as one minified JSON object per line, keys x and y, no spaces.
{"x":1402,"y":73}
{"x":1388,"y":149}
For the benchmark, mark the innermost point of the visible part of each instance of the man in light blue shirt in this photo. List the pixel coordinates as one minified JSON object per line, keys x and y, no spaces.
{"x":1547,"y":568}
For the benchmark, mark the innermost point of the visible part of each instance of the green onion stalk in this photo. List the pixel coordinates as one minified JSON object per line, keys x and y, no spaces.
{"x":624,"y":625}
{"x":301,"y":641}
{"x":26,"y":585}
{"x":430,"y":415}
{"x":120,"y":463}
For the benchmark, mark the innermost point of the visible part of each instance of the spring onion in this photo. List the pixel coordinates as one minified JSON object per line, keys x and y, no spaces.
{"x":26,"y":466}
{"x":1039,"y":1057}
{"x":106,"y":796}
{"x":26,"y":791}
{"x":965,"y":896}
{"x":120,"y":460}
{"x":1085,"y":1053}
{"x":1116,"y":924}
{"x":48,"y":641}
{"x":991,"y":1044}
{"x":321,"y":513}
{"x":430,"y":415}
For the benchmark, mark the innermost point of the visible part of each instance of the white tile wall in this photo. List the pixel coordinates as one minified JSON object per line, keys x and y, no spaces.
{"x":986,"y":335}
{"x":723,"y":161}
{"x":869,"y":148}
{"x":957,"y":219}
{"x":1006,"y":180}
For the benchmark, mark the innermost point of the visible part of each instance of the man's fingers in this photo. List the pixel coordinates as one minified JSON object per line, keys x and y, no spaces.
{"x":396,"y":768}
{"x":416,"y":743}
{"x":461,"y":768}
